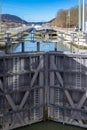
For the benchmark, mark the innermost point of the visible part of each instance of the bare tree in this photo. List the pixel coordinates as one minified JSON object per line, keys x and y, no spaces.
{"x":63,"y":19}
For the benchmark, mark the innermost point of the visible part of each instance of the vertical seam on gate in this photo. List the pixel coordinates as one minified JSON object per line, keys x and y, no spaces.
{"x":46,"y":82}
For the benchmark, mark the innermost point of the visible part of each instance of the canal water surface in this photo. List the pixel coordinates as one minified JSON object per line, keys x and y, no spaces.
{"x":32,"y":46}
{"x":50,"y":125}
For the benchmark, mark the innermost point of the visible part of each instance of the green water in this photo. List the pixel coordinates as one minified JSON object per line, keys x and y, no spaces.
{"x":50,"y":125}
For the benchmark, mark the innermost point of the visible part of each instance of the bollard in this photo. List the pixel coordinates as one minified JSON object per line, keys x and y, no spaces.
{"x":61,"y":37}
{"x":8,"y":42}
{"x":20,"y":35}
{"x":71,"y":46}
{"x":72,"y":35}
{"x":55,"y":46}
{"x":38,"y":46}
{"x":22,"y":47}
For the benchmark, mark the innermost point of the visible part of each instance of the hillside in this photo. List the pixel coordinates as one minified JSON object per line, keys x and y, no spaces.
{"x":12,"y":18}
{"x":16,"y":19}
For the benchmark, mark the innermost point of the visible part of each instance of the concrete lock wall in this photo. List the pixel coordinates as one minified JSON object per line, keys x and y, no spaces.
{"x":34,"y":84}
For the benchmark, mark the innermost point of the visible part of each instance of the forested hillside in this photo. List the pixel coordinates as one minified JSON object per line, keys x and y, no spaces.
{"x":66,"y":18}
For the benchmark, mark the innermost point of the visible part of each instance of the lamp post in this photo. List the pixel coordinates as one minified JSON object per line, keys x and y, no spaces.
{"x":79,"y":10}
{"x":0,"y":16}
{"x":83,"y":18}
{"x":69,"y":18}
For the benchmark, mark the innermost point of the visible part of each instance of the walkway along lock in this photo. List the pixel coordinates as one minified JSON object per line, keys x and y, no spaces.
{"x":8,"y":42}
{"x":37,"y":86}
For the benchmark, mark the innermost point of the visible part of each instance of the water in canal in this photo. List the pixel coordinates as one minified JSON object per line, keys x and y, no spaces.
{"x":50,"y":125}
{"x":32,"y":46}
{"x":44,"y":46}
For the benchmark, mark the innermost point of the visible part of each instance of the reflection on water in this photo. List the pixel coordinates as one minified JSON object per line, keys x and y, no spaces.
{"x":32,"y":46}
{"x":49,"y":125}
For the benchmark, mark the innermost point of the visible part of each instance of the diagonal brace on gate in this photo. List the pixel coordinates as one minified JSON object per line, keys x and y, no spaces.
{"x":53,"y":66}
{"x":15,"y":108}
{"x":79,"y":105}
{"x":37,"y":71}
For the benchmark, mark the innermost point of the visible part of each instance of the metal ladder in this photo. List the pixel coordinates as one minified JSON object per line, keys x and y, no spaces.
{"x":58,"y":102}
{"x":15,"y":70}
{"x":36,"y":96}
{"x":57,"y":96}
{"x":78,"y":72}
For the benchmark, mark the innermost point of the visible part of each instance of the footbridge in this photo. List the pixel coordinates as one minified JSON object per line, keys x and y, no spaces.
{"x":14,"y":34}
{"x":70,"y":38}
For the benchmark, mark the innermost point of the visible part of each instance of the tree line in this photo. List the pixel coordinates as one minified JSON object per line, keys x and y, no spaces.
{"x":66,"y":18}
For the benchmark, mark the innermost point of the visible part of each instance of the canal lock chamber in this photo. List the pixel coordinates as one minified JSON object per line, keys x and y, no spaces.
{"x":40,"y":86}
